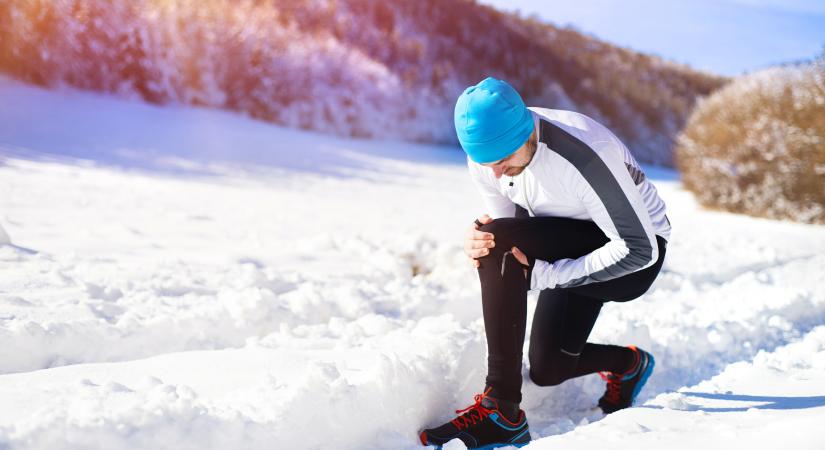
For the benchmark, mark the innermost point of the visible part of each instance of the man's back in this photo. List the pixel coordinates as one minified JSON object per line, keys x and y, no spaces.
{"x":548,"y":186}
{"x":607,"y":145}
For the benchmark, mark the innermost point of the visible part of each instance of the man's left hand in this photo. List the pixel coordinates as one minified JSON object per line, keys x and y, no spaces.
{"x":521,"y":257}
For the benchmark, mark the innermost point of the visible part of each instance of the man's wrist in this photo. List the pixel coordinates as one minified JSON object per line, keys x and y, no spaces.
{"x":540,"y":275}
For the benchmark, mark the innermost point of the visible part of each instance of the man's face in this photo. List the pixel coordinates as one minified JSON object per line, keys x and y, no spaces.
{"x":515,"y":163}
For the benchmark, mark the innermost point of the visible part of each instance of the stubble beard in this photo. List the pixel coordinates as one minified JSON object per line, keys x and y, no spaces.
{"x":531,"y":149}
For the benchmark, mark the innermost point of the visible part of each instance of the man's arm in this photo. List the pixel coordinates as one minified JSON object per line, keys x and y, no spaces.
{"x":478,"y":243}
{"x":614,"y":203}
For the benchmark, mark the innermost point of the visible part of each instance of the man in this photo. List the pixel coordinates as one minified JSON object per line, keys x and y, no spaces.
{"x":570,"y":214}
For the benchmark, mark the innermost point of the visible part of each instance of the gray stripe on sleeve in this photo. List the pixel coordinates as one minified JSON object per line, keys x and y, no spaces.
{"x":604,"y":183}
{"x":635,"y":173}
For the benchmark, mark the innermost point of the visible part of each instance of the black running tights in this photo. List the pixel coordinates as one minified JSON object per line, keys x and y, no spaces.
{"x":564,"y":317}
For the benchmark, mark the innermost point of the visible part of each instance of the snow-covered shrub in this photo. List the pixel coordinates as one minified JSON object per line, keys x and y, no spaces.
{"x":757,"y":146}
{"x":390,"y":68}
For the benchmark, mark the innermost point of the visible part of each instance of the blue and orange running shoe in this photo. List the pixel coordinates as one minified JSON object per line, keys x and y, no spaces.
{"x":480,"y":426}
{"x":623,"y":388}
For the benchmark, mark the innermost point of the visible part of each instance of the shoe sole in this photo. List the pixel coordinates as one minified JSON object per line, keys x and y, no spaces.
{"x":491,"y":446}
{"x":423,"y":437}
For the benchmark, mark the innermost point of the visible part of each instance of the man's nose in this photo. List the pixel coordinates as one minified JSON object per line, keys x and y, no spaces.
{"x":498,"y":170}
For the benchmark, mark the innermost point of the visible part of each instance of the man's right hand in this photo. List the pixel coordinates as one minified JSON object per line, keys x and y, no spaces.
{"x":478,"y":243}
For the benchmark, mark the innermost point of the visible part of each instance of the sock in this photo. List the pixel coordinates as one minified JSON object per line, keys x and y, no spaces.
{"x":508,"y":409}
{"x":631,"y":361}
{"x":605,"y":358}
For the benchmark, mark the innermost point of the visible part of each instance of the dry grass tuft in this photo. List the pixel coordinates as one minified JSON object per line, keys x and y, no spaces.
{"x":757,"y":146}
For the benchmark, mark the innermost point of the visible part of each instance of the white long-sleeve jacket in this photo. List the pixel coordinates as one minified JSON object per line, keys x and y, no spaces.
{"x":582,"y":171}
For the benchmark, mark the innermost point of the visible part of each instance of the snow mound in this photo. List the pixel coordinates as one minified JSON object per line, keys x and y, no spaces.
{"x":773,"y":401}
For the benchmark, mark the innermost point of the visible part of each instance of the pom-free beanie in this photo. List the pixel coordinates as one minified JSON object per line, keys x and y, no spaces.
{"x":491,"y":121}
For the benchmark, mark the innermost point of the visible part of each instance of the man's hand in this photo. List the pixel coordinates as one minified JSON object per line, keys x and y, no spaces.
{"x":477,"y":243}
{"x":521,"y":257}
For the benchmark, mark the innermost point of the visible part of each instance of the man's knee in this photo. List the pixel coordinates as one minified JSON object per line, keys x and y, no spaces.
{"x":500,"y":228}
{"x":551,"y":370}
{"x":494,"y":258}
{"x":545,"y":376}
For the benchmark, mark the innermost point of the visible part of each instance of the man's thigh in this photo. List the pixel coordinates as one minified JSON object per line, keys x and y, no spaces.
{"x":554,"y":238}
{"x":627,"y":287}
{"x":547,"y":238}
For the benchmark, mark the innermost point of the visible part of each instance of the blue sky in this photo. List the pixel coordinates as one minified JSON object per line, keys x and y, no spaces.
{"x":728,"y":37}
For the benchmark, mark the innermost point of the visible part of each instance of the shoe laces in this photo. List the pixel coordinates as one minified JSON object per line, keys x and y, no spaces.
{"x":473,"y":413}
{"x":614,"y":386}
{"x":614,"y":380}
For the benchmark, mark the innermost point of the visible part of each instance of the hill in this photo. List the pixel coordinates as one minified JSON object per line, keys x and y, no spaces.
{"x":349,"y":67}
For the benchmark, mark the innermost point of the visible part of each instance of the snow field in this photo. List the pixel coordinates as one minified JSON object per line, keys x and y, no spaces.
{"x":784,"y":408}
{"x":293,"y":289}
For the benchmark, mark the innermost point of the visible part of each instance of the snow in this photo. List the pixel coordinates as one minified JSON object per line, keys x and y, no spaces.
{"x":783,"y":408}
{"x":189,"y":278}
{"x":4,"y":237}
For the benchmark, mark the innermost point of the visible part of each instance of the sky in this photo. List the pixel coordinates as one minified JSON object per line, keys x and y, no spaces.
{"x":728,"y":37}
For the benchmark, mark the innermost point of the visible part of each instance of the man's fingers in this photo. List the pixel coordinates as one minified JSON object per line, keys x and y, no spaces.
{"x":482,"y":235}
{"x":477,"y":249}
{"x":479,"y":243}
{"x":483,"y":220}
{"x":474,"y":233}
{"x":478,"y":253}
{"x":521,"y":257}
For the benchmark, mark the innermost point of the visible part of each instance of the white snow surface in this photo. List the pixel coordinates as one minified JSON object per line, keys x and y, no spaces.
{"x":188,"y":278}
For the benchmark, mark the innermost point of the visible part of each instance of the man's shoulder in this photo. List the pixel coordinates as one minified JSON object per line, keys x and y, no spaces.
{"x":560,"y":115}
{"x":568,"y":119}
{"x":581,"y":126}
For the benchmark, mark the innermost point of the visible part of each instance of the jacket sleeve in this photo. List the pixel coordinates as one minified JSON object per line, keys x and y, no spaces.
{"x":496,"y":203}
{"x":607,"y":191}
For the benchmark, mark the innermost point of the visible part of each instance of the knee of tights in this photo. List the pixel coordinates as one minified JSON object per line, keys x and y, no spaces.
{"x":553,"y":372}
{"x":545,"y":377}
{"x":499,"y":228}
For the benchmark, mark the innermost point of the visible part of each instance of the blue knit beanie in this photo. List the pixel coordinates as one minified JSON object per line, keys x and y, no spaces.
{"x":491,"y":121}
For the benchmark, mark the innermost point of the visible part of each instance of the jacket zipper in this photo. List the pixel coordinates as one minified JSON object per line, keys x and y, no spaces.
{"x":527,"y":197}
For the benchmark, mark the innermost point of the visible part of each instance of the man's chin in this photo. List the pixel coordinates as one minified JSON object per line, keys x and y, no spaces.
{"x":514,"y":172}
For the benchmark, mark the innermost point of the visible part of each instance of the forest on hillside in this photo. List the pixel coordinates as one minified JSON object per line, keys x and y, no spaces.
{"x":389,"y":69}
